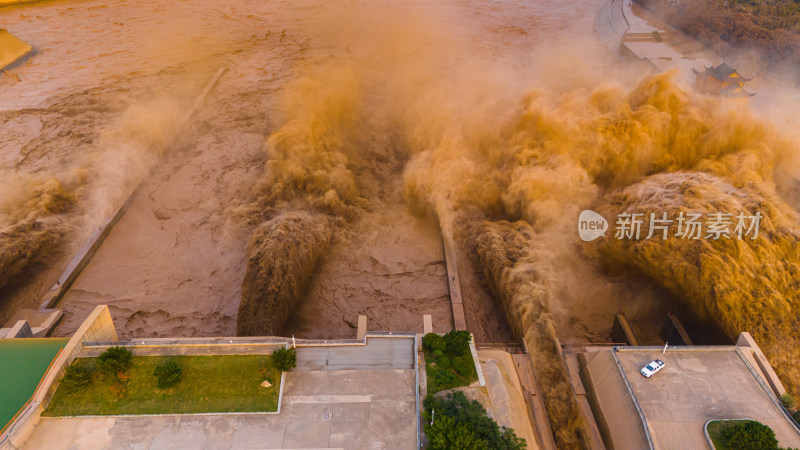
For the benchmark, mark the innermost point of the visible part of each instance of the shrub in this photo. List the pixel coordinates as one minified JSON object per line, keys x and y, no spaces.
{"x":114,"y":361}
{"x":284,"y":359}
{"x":438,"y":353}
{"x":470,"y":418}
{"x":428,"y":339}
{"x":167,"y":374}
{"x":463,"y":365}
{"x":77,"y":376}
{"x":437,"y":343}
{"x":444,"y":362}
{"x":788,"y":401}
{"x":444,"y":378}
{"x":796,"y":416}
{"x":750,"y":435}
{"x":457,"y":341}
{"x":447,"y":434}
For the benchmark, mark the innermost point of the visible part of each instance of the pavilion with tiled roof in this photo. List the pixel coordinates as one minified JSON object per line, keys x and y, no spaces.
{"x":722,"y":80}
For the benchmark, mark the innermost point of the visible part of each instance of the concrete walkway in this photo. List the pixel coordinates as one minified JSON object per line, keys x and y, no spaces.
{"x":358,"y":397}
{"x":379,"y":353}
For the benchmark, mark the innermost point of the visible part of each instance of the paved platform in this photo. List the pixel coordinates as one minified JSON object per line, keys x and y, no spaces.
{"x":696,"y":386}
{"x":371,"y":405}
{"x":379,"y":353}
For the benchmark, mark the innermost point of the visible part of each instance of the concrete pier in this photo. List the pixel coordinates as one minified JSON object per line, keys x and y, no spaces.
{"x":362,"y":327}
{"x":12,"y":49}
{"x":622,"y":331}
{"x":453,"y":283}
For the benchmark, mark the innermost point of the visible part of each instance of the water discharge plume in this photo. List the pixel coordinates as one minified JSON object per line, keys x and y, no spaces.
{"x":127,"y":149}
{"x":27,"y":243}
{"x":29,"y":224}
{"x":307,"y":170}
{"x":742,"y":284}
{"x":282,"y":255}
{"x":308,"y":156}
{"x":39,"y":210}
{"x":561,"y":151}
{"x":504,"y":249}
{"x":34,"y":196}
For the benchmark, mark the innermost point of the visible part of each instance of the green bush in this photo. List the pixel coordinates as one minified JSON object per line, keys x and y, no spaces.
{"x":457,"y":341}
{"x":470,"y":419}
{"x":447,"y":434}
{"x":114,"y":361}
{"x":428,"y":339}
{"x":788,"y":401}
{"x":444,"y":378}
{"x":444,"y":362}
{"x":750,"y":435}
{"x":284,"y":359}
{"x":796,"y":416}
{"x":77,"y":376}
{"x":433,"y":342}
{"x":438,"y":353}
{"x":463,"y":365}
{"x":167,"y":374}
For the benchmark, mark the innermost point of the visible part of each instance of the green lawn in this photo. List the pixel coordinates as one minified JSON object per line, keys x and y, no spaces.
{"x":229,"y":383}
{"x":455,"y":380}
{"x":715,"y":430}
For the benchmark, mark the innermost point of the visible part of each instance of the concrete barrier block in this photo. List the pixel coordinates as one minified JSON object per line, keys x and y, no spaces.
{"x":12,"y":49}
{"x":362,"y":327}
{"x":427,"y":324}
{"x":21,"y":329}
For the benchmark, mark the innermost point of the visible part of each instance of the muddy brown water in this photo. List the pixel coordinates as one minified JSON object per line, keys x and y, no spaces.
{"x":174,"y":265}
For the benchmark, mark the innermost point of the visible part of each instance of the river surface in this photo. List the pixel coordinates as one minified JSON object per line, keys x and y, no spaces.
{"x":112,"y":75}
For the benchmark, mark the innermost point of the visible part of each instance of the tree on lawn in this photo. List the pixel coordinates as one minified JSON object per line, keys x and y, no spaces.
{"x":284,"y":359}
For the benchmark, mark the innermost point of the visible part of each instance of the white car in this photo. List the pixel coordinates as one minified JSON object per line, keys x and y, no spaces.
{"x":652,"y":368}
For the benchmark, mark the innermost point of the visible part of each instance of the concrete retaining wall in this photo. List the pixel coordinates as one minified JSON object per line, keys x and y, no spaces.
{"x":84,"y":255}
{"x":98,"y":326}
{"x":746,"y":341}
{"x":611,"y":23}
{"x":614,"y":410}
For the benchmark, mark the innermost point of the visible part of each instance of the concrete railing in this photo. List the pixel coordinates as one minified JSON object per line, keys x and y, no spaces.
{"x":169,"y":342}
{"x":228,"y":341}
{"x":678,"y":348}
{"x":474,"y":353}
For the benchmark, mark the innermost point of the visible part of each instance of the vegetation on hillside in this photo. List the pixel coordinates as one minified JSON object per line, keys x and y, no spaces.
{"x":772,"y":27}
